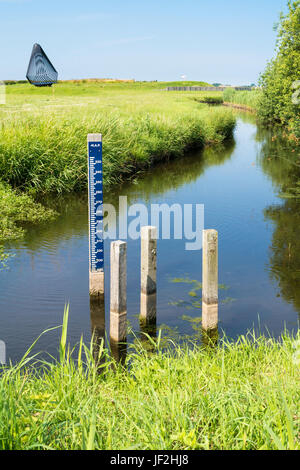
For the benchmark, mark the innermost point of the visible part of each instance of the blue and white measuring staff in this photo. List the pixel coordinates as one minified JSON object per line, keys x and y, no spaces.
{"x":95,"y":176}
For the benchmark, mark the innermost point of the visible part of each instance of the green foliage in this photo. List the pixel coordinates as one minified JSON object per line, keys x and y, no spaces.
{"x":237,"y":396}
{"x":285,"y":249}
{"x":216,"y":99}
{"x":280,"y":161}
{"x":17,"y":209}
{"x":281,"y":72}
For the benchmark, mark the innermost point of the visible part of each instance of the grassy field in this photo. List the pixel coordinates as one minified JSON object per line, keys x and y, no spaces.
{"x":43,"y":131}
{"x":242,"y":395}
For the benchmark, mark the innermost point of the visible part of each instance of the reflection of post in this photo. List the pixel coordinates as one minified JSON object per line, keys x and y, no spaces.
{"x":210,"y":338}
{"x":118,"y":351}
{"x":118,"y":280}
{"x":97,"y":313}
{"x":148,"y":330}
{"x":210,"y":280}
{"x":148,"y":274}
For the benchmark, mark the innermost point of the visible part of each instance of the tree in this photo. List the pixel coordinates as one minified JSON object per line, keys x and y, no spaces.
{"x":278,"y":103}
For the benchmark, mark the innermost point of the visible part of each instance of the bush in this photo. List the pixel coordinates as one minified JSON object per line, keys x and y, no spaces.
{"x":17,"y":209}
{"x":281,"y":73}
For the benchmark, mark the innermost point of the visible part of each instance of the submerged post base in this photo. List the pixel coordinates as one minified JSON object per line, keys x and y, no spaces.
{"x":148,"y":307}
{"x":96,"y":283}
{"x":118,"y":326}
{"x":209,"y":316}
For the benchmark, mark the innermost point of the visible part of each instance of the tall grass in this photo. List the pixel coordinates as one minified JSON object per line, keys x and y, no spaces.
{"x":242,"y":395}
{"x":249,"y":99}
{"x":43,"y":136}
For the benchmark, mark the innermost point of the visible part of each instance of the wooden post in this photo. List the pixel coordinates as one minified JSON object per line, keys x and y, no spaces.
{"x":210,"y":280}
{"x":118,"y":281}
{"x":2,"y":353}
{"x":96,"y":283}
{"x":96,"y":246}
{"x":148,"y":274}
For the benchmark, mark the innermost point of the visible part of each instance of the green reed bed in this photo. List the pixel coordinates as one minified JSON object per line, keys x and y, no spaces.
{"x":242,"y":395}
{"x":248,"y":99}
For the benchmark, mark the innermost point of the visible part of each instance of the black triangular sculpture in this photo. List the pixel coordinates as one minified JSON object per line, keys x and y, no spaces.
{"x":40,"y":71}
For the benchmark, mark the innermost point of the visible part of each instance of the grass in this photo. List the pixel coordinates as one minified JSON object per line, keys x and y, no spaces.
{"x":43,"y":134}
{"x":247,"y":99}
{"x":242,"y":395}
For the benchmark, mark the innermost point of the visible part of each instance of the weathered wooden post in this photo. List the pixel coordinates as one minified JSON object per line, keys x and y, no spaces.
{"x":118,"y":281}
{"x":148,"y":274}
{"x":210,"y":280}
{"x":96,"y":245}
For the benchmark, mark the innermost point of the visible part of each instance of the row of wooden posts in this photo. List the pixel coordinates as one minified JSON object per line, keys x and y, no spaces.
{"x":148,"y":287}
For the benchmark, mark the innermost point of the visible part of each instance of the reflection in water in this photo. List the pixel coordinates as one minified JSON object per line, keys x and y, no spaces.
{"x":285,"y":250}
{"x":173,"y":175}
{"x":118,"y":351}
{"x":97,"y":315}
{"x":280,"y":160}
{"x":209,"y":338}
{"x":148,"y":334}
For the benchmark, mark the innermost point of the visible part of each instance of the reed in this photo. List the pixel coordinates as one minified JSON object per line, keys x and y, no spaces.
{"x":250,"y":99}
{"x":240,"y":395}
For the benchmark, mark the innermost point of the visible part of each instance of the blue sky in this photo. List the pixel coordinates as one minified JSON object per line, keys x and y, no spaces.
{"x":227,"y":41}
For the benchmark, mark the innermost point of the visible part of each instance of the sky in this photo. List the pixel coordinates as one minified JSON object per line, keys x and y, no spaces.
{"x":225,"y":41}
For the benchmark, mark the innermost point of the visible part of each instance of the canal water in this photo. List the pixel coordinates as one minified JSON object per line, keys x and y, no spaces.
{"x":259,"y":263}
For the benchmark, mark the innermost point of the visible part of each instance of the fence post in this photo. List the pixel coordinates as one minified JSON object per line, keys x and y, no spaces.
{"x":118,"y":282}
{"x":210,"y":280}
{"x":96,"y":245}
{"x":148,"y":274}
